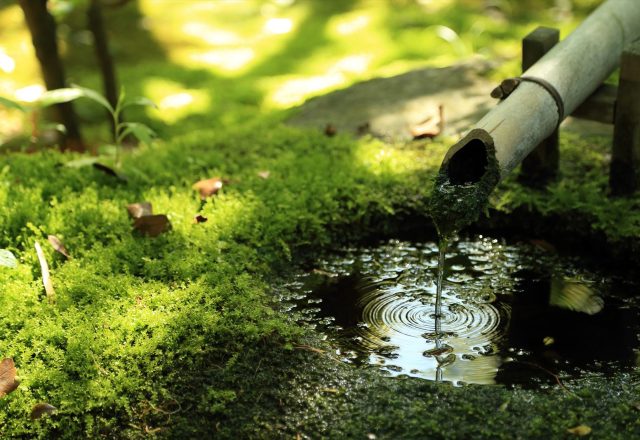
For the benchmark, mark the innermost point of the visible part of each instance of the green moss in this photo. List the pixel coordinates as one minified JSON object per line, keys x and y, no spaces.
{"x":581,"y":192}
{"x":181,"y":333}
{"x":142,"y":327}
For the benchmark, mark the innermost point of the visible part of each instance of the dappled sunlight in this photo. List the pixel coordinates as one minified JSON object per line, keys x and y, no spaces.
{"x":174,"y":100}
{"x":7,"y":64}
{"x":230,"y":59}
{"x":18,"y":66}
{"x":278,"y":26}
{"x":435,"y":5}
{"x":296,"y":90}
{"x":347,"y":24}
{"x":357,"y":64}
{"x":209,"y":34}
{"x":384,"y":159}
{"x":29,"y":93}
{"x":224,"y":37}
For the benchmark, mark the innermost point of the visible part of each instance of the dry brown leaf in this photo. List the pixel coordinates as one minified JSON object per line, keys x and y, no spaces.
{"x":208,"y":187}
{"x":109,"y":171}
{"x":152,"y":225}
{"x":264,"y":174}
{"x":309,"y":348}
{"x":330,"y":390}
{"x":580,"y":430}
{"x":42,"y":409}
{"x":543,"y":245}
{"x":430,"y":127}
{"x":363,"y":129}
{"x":46,"y":277}
{"x":137,"y":210}
{"x":57,"y":244}
{"x":324,"y":273}
{"x":330,"y":130}
{"x":199,"y":219}
{"x":8,"y":382}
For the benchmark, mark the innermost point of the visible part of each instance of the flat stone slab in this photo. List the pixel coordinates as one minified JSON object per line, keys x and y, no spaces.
{"x":390,"y":107}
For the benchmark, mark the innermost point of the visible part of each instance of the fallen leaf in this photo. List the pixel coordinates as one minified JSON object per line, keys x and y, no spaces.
{"x":309,"y":348}
{"x":330,"y":130}
{"x":42,"y":409}
{"x":264,"y":174}
{"x":152,"y":225}
{"x":363,"y":129}
{"x":543,"y":244}
{"x":505,"y":88}
{"x":137,"y":210}
{"x":46,"y":278}
{"x":200,"y":219}
{"x":208,"y":187}
{"x":109,"y":171}
{"x":580,"y":430}
{"x":330,"y":390}
{"x":8,"y":382}
{"x":58,"y":245}
{"x":430,"y":127}
{"x":324,"y":273}
{"x":7,"y":259}
{"x":548,"y":340}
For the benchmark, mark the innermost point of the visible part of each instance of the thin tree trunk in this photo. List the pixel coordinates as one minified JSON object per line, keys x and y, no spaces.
{"x":103,"y":55}
{"x":42,"y":27}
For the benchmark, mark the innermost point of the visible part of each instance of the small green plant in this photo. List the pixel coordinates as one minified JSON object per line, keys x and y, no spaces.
{"x":121,"y":129}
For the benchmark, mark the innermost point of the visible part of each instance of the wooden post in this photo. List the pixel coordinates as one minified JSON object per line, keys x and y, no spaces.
{"x":95,"y":21}
{"x":624,"y":176}
{"x":541,"y":165}
{"x":42,"y":27}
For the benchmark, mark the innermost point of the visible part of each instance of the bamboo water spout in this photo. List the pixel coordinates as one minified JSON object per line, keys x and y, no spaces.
{"x":547,"y":92}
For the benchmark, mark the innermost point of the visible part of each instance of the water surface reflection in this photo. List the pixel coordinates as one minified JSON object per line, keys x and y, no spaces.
{"x":511,"y":314}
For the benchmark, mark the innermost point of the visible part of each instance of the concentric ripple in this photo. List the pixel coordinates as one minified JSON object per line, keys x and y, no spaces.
{"x":401,"y":330}
{"x":378,"y":305}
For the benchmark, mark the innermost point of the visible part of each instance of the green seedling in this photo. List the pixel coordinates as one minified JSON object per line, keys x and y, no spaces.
{"x":121,"y":129}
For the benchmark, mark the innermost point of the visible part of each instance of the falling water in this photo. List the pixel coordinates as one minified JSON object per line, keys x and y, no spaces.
{"x":442,"y":251}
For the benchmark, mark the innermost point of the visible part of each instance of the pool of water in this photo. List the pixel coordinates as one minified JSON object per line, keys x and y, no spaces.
{"x":512,"y":313}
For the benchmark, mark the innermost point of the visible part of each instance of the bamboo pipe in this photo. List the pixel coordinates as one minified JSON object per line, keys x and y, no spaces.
{"x":552,"y":88}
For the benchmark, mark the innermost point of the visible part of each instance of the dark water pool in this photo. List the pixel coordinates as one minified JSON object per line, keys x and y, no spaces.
{"x":512,"y":314}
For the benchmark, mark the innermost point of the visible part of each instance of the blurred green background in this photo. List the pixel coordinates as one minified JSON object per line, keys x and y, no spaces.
{"x":212,"y":63}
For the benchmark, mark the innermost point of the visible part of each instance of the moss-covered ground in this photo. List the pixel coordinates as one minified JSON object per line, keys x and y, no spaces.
{"x":180,"y":336}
